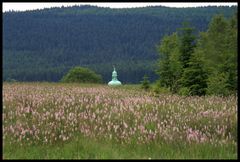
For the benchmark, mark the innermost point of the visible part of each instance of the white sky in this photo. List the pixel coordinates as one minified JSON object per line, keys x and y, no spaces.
{"x":31,"y":6}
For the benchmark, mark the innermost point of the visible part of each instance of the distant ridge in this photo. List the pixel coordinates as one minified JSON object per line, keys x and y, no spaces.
{"x":42,"y":45}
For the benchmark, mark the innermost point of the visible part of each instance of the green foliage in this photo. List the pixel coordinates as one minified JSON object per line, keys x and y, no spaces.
{"x":169,"y":65}
{"x":189,"y":67}
{"x":219,"y":47}
{"x":194,"y":76}
{"x":175,"y":52}
{"x":145,"y":83}
{"x":187,"y":44}
{"x":158,"y":89}
{"x":217,"y":84}
{"x":82,"y":147}
{"x":151,"y":126}
{"x":42,"y":45}
{"x":184,"y":91}
{"x":207,"y":65}
{"x":81,"y":75}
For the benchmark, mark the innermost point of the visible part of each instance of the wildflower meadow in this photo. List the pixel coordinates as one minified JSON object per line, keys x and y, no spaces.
{"x":73,"y":121}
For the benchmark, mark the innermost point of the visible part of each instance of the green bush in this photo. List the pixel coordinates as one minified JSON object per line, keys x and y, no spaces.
{"x":158,"y":89}
{"x":184,"y":91}
{"x":217,"y":85}
{"x":81,"y":75}
{"x":145,"y":83}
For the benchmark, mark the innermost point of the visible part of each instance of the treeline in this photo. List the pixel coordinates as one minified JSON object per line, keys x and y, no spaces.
{"x":203,"y":64}
{"x":43,"y":45}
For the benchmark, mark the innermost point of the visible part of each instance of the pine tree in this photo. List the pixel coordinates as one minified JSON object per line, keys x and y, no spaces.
{"x":145,"y":83}
{"x":187,"y":44}
{"x":232,"y":46}
{"x":194,"y":77}
{"x":207,"y":66}
{"x":169,"y":66}
{"x":219,"y":48}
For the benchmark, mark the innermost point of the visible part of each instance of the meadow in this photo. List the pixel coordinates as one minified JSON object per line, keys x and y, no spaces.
{"x":84,"y":121}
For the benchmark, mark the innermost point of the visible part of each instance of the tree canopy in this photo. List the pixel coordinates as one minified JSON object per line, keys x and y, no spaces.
{"x":42,"y":45}
{"x":207,"y":65}
{"x":81,"y":75}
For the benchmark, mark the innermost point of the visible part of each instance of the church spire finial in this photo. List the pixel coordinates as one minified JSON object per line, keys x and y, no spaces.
{"x":114,"y":80}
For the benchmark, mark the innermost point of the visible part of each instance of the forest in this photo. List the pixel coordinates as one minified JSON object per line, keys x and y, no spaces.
{"x":42,"y":45}
{"x":198,"y":66}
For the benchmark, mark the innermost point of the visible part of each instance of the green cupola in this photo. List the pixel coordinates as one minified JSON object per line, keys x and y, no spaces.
{"x":114,"y":81}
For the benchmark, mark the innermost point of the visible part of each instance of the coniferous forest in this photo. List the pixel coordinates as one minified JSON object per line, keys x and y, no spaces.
{"x":207,"y":64}
{"x":42,"y":45}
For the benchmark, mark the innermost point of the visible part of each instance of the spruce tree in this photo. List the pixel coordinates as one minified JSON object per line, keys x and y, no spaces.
{"x":195,"y":77}
{"x":145,"y":83}
{"x":169,"y":66}
{"x":219,"y":48}
{"x":187,"y":44}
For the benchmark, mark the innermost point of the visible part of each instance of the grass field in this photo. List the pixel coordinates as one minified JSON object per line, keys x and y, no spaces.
{"x":72,"y":121}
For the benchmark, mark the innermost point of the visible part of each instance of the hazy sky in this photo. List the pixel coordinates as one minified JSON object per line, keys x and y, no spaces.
{"x":31,"y":6}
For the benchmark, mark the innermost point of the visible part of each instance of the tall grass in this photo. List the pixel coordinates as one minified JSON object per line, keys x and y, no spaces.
{"x":74,"y":121}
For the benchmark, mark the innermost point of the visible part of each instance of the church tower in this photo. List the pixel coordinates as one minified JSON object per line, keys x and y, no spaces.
{"x":114,"y":81}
